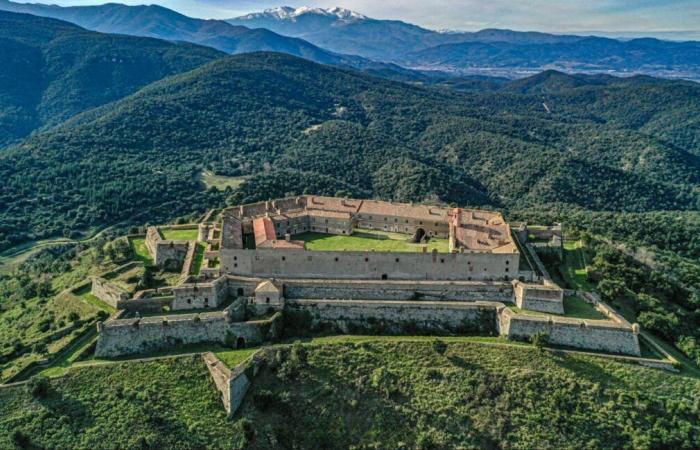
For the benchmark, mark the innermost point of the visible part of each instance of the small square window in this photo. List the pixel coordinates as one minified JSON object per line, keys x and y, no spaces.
{"x":284,"y":258}
{"x":336,"y":259}
{"x":397,"y":259}
{"x":366,"y":259}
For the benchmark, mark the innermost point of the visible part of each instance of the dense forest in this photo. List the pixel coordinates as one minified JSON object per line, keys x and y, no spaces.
{"x":284,"y":121}
{"x":53,"y":70}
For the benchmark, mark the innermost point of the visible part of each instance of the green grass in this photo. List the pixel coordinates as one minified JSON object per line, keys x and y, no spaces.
{"x":574,"y":267}
{"x":366,"y":394}
{"x":91,"y":299}
{"x":198,"y":257}
{"x":366,"y":240}
{"x":575,"y":306}
{"x":62,"y":365}
{"x":220,"y":182}
{"x":141,"y":251}
{"x":180,"y":235}
{"x":232,"y":358}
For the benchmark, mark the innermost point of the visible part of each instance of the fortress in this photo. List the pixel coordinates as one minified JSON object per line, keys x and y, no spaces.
{"x":322,"y":264}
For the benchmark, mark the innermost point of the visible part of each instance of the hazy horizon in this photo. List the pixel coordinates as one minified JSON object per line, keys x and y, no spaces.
{"x":670,"y":19}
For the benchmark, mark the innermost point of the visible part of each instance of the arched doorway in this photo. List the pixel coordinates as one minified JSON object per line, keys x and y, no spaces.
{"x":240,"y":343}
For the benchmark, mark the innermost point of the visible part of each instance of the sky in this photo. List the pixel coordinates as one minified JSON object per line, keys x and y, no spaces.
{"x":676,"y":17}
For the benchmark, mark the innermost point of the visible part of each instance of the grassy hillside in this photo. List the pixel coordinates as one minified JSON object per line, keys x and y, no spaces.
{"x":295,"y":126}
{"x":53,"y":70}
{"x":388,"y":394}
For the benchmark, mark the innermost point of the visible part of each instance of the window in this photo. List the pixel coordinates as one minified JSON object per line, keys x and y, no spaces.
{"x":507,"y":262}
{"x":235,"y":265}
{"x":267,"y":300}
{"x":284,"y":258}
{"x":366,"y":259}
{"x":442,"y":260}
{"x":189,"y":301}
{"x":397,"y":259}
{"x":506,"y":269}
{"x":396,"y":220}
{"x":385,"y":219}
{"x":235,"y":258}
{"x":336,"y":259}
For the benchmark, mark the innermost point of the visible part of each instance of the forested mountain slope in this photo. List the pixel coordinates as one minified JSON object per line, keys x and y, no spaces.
{"x":296,"y":126}
{"x":52,"y":70}
{"x":158,"y":22}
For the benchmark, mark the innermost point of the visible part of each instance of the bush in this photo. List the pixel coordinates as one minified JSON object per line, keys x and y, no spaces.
{"x":20,"y":439}
{"x":540,"y":340}
{"x":39,"y":387}
{"x":439,"y":346}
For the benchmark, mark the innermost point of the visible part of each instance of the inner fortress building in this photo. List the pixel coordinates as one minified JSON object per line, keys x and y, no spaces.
{"x":267,"y":239}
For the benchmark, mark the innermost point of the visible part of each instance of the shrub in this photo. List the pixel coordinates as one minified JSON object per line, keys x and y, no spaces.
{"x":39,"y":387}
{"x":73,"y":317}
{"x":439,"y":346}
{"x":20,"y":439}
{"x":230,"y":340}
{"x":540,"y":340}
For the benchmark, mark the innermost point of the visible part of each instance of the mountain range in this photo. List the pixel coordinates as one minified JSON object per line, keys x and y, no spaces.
{"x":489,"y":51}
{"x":388,"y":48}
{"x":158,"y":22}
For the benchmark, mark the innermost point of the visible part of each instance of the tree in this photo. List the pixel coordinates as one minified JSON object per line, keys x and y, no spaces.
{"x":540,"y":340}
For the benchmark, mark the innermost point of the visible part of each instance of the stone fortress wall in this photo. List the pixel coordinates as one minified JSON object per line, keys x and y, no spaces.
{"x":141,"y":335}
{"x":598,"y":335}
{"x":163,"y":251}
{"x":398,"y":317}
{"x":546,"y":297}
{"x":107,"y":292}
{"x":301,"y":263}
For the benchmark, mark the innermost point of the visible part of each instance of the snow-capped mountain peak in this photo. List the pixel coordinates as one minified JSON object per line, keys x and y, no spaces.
{"x":289,"y":13}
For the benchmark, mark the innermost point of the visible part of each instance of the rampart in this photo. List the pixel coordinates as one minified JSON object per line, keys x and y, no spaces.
{"x":397,"y":290}
{"x":394,"y":317}
{"x":107,"y":292}
{"x":233,"y":383}
{"x":299,"y":263}
{"x":599,"y":335}
{"x":133,"y":336}
{"x":546,"y":297}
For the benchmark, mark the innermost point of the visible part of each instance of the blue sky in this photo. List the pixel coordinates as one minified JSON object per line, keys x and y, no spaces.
{"x":639,"y":16}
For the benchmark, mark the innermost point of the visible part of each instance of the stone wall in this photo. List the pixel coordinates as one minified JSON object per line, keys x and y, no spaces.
{"x":171,"y":253}
{"x":153,"y":236}
{"x":397,"y":290}
{"x":133,"y":336}
{"x":189,"y":260}
{"x":546,"y":297}
{"x":147,"y":304}
{"x":297,"y":263}
{"x":599,"y":335}
{"x":200,"y":295}
{"x":108,"y":292}
{"x":394,"y":317}
{"x":233,"y":383}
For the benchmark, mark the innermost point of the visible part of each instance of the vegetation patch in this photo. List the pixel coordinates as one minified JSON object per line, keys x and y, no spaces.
{"x":220,"y":182}
{"x":368,"y":240}
{"x":171,"y":234}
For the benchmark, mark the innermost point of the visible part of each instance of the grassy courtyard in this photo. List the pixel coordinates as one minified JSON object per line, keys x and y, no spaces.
{"x":171,"y":234}
{"x":574,"y":306}
{"x":141,"y":251}
{"x":574,"y":267}
{"x":367,"y":240}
